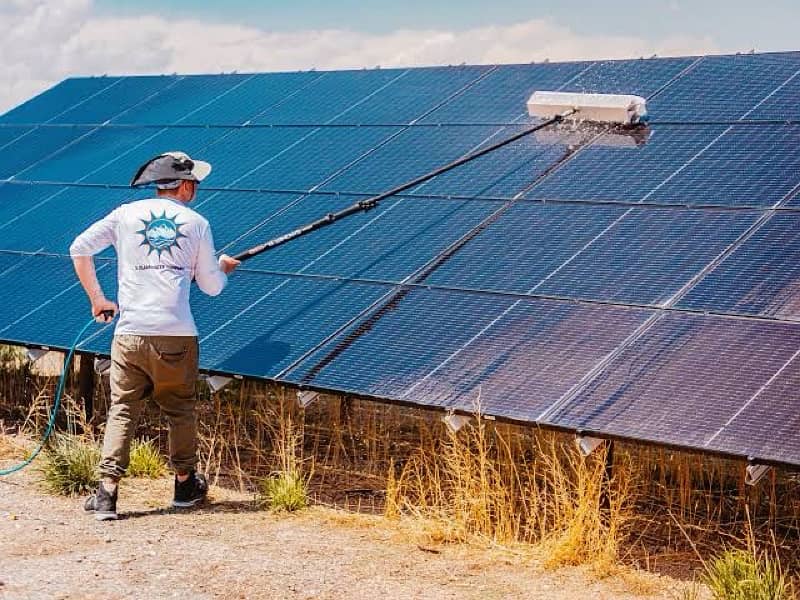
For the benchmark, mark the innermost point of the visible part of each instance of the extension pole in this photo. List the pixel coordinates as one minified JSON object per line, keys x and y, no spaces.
{"x":366,"y":204}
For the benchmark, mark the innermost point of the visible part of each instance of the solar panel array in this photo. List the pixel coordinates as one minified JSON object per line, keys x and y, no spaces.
{"x":647,"y":291}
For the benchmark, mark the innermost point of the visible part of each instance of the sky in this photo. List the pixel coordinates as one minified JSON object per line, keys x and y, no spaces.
{"x":45,"y":41}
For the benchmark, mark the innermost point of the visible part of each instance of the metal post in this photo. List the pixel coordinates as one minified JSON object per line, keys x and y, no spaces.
{"x":605,"y":492}
{"x":86,"y":385}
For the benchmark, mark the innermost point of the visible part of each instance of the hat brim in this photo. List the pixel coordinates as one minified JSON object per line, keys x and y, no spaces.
{"x":201,"y":170}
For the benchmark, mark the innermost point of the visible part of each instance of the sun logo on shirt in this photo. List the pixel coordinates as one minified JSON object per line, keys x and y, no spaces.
{"x":161,"y":234}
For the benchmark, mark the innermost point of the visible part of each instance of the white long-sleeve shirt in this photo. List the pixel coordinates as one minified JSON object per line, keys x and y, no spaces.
{"x":162,"y":245}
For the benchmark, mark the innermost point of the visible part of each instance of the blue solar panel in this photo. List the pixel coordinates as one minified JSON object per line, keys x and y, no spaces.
{"x":252,"y":97}
{"x":409,"y":97}
{"x":293,"y":317}
{"x":320,"y":154}
{"x":329,"y":97}
{"x":16,"y":199}
{"x":297,"y":314}
{"x":62,"y":97}
{"x":233,"y":214}
{"x":29,"y":149}
{"x":648,"y":256}
{"x":509,"y":170}
{"x":759,"y":277}
{"x":748,"y":165}
{"x":683,"y":380}
{"x":58,"y":307}
{"x":95,"y":150}
{"x":414,"y":152}
{"x":386,"y":354}
{"x":10,"y":133}
{"x":782,"y":104}
{"x":529,"y":354}
{"x":119,"y":169}
{"x":524,"y":246}
{"x":501,"y":96}
{"x":63,"y":216}
{"x":176,"y":102}
{"x":642,"y":77}
{"x":604,"y":171}
{"x":724,"y":87}
{"x":389,"y":242}
{"x":115,"y":100}
{"x":33,"y":281}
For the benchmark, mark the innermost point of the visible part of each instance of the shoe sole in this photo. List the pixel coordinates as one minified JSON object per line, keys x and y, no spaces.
{"x":106,"y":516}
{"x":186,"y":504}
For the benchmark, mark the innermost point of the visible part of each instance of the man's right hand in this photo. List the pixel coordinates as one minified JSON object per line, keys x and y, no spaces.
{"x":227,"y":263}
{"x":102,"y":304}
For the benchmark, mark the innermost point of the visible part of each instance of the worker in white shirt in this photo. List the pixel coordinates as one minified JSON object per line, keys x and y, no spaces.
{"x":162,"y":245}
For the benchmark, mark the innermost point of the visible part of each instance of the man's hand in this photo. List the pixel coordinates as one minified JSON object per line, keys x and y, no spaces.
{"x":227,"y":264}
{"x":99,"y":305}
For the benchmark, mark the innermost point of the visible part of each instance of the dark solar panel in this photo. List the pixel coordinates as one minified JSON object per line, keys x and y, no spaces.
{"x":682,"y":381}
{"x":115,"y":100}
{"x":629,"y":173}
{"x":760,"y":277}
{"x":388,"y":243}
{"x":175,"y":102}
{"x":410,"y":96}
{"x":329,"y":309}
{"x":329,"y":97}
{"x":725,"y":87}
{"x":501,"y":96}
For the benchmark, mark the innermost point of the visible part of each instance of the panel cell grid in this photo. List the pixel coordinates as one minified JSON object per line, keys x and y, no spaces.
{"x":502,"y":96}
{"x":760,"y":277}
{"x":50,"y":103}
{"x":175,"y":102}
{"x":604,"y":171}
{"x":683,"y":380}
{"x":724,"y":87}
{"x":29,"y":149}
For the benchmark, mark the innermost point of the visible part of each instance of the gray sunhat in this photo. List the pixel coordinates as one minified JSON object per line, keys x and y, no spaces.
{"x":169,"y":169}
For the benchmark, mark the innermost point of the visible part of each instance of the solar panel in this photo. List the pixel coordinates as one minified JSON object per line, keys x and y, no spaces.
{"x":683,"y":380}
{"x":725,"y":87}
{"x":759,"y":277}
{"x":58,"y":99}
{"x":576,"y":278}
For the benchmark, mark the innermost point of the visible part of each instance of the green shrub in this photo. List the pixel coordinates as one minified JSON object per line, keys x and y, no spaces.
{"x":746,"y":575}
{"x":146,"y":460}
{"x":69,"y":465}
{"x":285,"y":491}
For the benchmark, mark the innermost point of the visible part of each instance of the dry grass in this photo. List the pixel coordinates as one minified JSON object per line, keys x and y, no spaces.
{"x":491,"y":483}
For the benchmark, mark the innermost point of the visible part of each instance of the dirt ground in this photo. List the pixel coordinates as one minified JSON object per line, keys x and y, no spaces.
{"x":228,"y":549}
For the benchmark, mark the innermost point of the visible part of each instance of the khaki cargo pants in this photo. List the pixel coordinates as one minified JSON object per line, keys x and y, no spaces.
{"x":166,"y":367}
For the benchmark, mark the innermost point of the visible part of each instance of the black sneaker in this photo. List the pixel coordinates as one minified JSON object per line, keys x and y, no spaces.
{"x":190,"y":492}
{"x":103,"y":504}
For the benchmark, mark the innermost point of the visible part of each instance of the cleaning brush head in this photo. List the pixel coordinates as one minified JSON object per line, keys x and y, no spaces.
{"x":623,"y":109}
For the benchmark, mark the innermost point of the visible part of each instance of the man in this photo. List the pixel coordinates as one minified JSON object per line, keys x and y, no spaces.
{"x":162,"y":245}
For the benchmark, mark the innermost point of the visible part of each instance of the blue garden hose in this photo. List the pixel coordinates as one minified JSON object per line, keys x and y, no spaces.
{"x":56,"y":403}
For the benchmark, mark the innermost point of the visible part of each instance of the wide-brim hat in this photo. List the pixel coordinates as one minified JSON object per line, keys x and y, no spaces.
{"x":169,"y":169}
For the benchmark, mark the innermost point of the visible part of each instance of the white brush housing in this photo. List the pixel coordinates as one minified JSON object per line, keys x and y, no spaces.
{"x":605,"y":108}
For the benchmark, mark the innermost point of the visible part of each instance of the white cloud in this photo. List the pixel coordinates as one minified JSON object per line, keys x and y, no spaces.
{"x":45,"y":41}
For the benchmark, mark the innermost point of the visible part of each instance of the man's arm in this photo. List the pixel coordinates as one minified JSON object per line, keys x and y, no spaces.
{"x":95,"y":239}
{"x":210,"y":273}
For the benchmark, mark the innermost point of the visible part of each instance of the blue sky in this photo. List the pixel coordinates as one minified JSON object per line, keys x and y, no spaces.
{"x":732,"y":24}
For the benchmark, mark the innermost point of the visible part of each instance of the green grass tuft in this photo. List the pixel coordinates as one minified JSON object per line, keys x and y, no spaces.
{"x":746,"y":575}
{"x":285,"y":491}
{"x":146,"y":460}
{"x":69,"y":465}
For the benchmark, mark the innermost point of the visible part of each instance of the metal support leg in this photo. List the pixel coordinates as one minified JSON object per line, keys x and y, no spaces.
{"x":605,"y":493}
{"x":86,"y":385}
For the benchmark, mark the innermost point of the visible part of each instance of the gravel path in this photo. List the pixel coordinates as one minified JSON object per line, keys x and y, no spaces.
{"x":50,"y":549}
